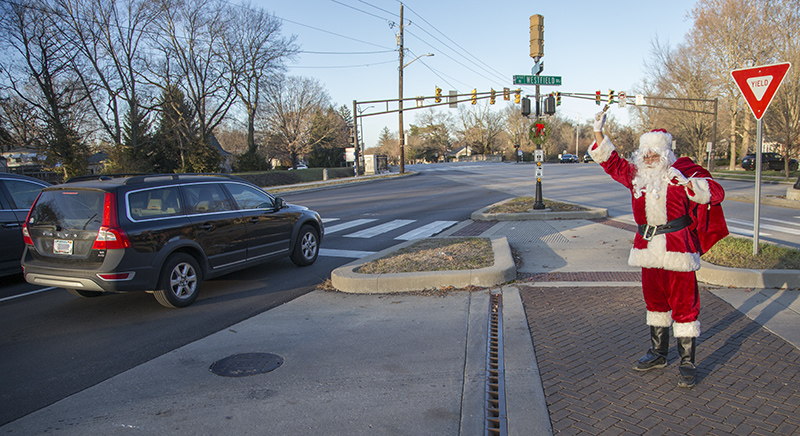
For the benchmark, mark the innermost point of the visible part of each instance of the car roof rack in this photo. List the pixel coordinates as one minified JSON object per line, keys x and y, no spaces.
{"x":101,"y":177}
{"x":174,"y":176}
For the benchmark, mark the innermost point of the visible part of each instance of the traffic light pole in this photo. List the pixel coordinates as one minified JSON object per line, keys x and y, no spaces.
{"x":538,"y":204}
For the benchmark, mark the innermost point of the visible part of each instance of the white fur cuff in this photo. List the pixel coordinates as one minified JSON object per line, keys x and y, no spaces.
{"x":603,"y":150}
{"x":686,"y":329}
{"x":702,"y":193}
{"x":659,"y":319}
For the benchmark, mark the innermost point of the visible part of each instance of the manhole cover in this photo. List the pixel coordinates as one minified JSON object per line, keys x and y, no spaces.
{"x":242,"y":365}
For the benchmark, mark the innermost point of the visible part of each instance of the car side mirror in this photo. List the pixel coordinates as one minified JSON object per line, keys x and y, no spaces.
{"x":280,"y":203}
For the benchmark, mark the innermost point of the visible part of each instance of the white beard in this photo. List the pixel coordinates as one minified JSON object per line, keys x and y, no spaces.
{"x":650,"y":179}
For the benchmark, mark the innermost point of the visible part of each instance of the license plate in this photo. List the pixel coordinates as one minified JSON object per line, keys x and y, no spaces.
{"x":61,"y":246}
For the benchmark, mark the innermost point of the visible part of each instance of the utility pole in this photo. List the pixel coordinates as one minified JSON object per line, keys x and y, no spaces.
{"x":577,"y":135}
{"x":402,"y":138}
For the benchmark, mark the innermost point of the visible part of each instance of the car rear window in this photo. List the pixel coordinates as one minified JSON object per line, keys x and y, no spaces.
{"x":74,"y":209}
{"x":154,"y":203}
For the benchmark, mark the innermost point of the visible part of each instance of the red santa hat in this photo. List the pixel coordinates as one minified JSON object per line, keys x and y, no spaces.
{"x":657,"y":141}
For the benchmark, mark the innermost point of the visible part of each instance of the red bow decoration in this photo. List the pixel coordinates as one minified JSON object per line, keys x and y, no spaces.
{"x":539,"y":129}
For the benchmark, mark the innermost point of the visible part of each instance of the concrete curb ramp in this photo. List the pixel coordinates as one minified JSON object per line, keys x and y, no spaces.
{"x":345,"y":279}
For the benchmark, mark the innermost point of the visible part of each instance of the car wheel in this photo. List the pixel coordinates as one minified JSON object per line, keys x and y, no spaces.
{"x":306,"y":248}
{"x":792,"y":166}
{"x":179,"y":284}
{"x":764,"y":166}
{"x":84,"y":294}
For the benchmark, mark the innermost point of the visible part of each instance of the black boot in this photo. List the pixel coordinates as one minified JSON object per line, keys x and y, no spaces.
{"x":687,"y":369}
{"x":656,"y":356}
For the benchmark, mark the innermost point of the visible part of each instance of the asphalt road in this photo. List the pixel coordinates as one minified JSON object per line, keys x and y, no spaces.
{"x":54,"y":344}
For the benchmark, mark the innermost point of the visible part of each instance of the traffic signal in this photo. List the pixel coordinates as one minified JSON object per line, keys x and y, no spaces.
{"x":491,"y":98}
{"x":474,"y":96}
{"x":558,"y":98}
{"x":537,"y":36}
{"x":517,"y":96}
{"x":597,"y":98}
{"x":610,"y":96}
{"x":438,"y":95}
{"x":550,"y":104}
{"x":526,"y":106}
{"x":506,"y":94}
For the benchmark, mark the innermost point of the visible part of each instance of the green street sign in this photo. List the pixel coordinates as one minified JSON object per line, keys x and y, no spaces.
{"x":537,"y":80}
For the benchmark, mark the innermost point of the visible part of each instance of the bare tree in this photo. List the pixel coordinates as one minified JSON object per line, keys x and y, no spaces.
{"x":192,"y":44}
{"x":41,"y":75}
{"x":722,"y":32}
{"x":783,"y":116}
{"x":479,"y":127}
{"x":256,"y":52}
{"x":291,"y":105}
{"x":110,"y":38}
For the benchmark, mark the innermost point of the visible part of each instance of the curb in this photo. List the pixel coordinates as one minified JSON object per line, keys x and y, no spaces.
{"x":748,"y":278}
{"x":543,"y":214}
{"x":345,"y":279}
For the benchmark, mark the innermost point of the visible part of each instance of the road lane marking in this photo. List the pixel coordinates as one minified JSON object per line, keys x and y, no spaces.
{"x":352,"y":254}
{"x":26,"y":294}
{"x":347,"y":225}
{"x":377,"y":230}
{"x":426,"y":230}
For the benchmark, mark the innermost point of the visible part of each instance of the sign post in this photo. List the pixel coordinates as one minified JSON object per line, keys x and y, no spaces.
{"x":758,"y":86}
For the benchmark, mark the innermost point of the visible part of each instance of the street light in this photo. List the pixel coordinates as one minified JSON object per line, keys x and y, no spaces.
{"x":400,"y":101}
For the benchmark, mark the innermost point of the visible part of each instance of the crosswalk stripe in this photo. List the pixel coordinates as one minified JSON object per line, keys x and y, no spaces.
{"x":763,"y":226}
{"x":377,"y":230}
{"x":347,"y":225}
{"x":426,"y":230}
{"x":352,"y":254}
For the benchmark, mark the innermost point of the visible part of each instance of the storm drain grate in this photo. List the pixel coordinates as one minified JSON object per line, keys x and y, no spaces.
{"x":242,"y":365}
{"x":496,"y":423}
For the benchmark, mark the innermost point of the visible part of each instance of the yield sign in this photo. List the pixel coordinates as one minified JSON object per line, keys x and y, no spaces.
{"x":759,"y":85}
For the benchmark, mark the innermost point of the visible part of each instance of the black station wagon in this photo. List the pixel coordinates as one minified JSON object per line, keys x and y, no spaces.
{"x":160,"y":233}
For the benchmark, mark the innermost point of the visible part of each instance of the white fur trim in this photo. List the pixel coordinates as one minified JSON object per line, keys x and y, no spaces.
{"x":655,"y":204}
{"x":702,"y":193}
{"x":659,"y":319}
{"x":657,"y":256}
{"x":603,"y":150}
{"x":686,"y":329}
{"x":658,"y":142}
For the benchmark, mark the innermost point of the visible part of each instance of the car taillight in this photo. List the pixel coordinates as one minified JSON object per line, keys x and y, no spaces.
{"x":110,"y":236}
{"x":26,"y":235}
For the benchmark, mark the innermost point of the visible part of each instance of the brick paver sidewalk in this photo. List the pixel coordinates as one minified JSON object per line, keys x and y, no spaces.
{"x":586,"y":340}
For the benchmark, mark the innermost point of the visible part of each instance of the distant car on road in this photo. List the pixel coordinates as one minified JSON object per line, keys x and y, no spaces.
{"x":568,"y":158}
{"x":587,"y":157}
{"x":161,"y":233}
{"x":17,"y":194}
{"x":769,"y":161}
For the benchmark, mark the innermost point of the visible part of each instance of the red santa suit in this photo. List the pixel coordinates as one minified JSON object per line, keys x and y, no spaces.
{"x":669,"y":255}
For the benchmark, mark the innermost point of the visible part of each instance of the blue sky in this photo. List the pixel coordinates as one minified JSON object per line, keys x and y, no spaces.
{"x":592,"y":45}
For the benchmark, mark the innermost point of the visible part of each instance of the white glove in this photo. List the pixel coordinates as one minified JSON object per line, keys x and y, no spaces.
{"x":675,"y":174}
{"x":599,"y":120}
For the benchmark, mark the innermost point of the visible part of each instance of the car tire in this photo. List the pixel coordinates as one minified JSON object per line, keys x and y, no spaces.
{"x":179,"y":283}
{"x":306,"y":248}
{"x":765,"y":166}
{"x":792,"y":166}
{"x":84,"y":294}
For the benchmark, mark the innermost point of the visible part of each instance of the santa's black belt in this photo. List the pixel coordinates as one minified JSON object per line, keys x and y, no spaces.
{"x":647,"y":231}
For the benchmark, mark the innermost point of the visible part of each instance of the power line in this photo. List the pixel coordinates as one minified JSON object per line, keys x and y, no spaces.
{"x":348,"y":66}
{"x":451,"y":40}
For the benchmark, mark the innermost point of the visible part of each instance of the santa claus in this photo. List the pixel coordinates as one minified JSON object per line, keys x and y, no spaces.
{"x":672,"y":199}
